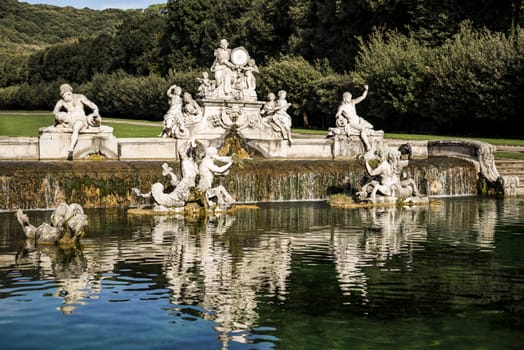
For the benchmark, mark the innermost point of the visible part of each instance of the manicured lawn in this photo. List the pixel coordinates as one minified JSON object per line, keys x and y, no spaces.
{"x":24,"y":125}
{"x":28,"y":125}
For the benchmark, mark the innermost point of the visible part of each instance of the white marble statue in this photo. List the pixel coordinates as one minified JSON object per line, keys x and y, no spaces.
{"x":206,"y":86}
{"x":234,"y":71}
{"x":348,"y":119}
{"x":174,"y":124}
{"x":216,"y":196}
{"x":66,"y":226}
{"x":274,"y":114}
{"x":223,"y":69}
{"x":70,"y":115}
{"x":392,"y":183}
{"x":167,"y":201}
{"x":191,"y":169}
{"x":191,"y":110}
{"x":188,"y":165}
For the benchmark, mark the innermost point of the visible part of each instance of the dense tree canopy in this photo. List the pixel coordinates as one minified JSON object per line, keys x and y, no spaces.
{"x":454,"y":64}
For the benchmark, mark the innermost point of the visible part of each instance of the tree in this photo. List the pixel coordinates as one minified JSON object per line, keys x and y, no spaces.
{"x":396,"y":68}
{"x":137,"y":43}
{"x":477,"y":82}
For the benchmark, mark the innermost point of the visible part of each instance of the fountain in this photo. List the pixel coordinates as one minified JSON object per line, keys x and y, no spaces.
{"x":264,"y":276}
{"x":268,"y":163}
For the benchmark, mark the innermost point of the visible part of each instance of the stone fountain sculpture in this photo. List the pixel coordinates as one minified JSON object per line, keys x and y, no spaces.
{"x":195,"y":163}
{"x":354,"y":136}
{"x":66,"y":226}
{"x":388,"y":183}
{"x":227,"y":105}
{"x":79,"y":133}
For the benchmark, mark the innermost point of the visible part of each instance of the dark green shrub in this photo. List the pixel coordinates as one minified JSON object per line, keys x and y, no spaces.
{"x":477,"y":82}
{"x":395,"y":67}
{"x":122,"y":95}
{"x":293,"y":74}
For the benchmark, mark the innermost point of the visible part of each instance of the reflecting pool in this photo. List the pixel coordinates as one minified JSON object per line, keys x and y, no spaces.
{"x":284,"y":276}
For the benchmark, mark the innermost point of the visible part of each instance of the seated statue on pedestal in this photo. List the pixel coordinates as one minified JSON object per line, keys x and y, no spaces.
{"x":234,"y":72}
{"x":348,"y":119}
{"x":70,"y":114}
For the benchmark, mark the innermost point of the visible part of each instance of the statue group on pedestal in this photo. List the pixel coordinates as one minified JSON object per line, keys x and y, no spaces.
{"x":388,"y":179}
{"x":234,"y":73}
{"x":274,"y":115}
{"x":183,"y":111}
{"x":231,"y":87}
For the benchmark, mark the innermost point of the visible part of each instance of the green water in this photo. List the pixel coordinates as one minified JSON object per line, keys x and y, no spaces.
{"x":284,"y":276}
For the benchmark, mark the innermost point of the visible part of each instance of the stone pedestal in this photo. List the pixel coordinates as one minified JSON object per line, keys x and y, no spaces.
{"x":54,"y":143}
{"x":220,"y":116}
{"x":351,"y":146}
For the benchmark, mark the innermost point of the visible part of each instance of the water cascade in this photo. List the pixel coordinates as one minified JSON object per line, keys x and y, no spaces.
{"x":107,"y":184}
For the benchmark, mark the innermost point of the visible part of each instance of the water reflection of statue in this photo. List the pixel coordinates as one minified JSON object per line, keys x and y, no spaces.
{"x":173,"y":124}
{"x":69,"y":268}
{"x":347,"y":117}
{"x":66,"y":226}
{"x":223,"y":69}
{"x":70,"y":114}
{"x":207,"y":170}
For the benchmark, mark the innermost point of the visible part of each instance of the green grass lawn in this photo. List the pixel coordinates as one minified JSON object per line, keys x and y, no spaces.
{"x":27,"y":124}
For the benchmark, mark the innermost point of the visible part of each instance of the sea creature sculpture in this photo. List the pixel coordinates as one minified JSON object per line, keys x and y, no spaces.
{"x":66,"y":226}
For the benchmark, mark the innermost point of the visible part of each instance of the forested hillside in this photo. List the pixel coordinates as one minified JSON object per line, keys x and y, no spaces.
{"x":456,"y":66}
{"x":30,"y":27}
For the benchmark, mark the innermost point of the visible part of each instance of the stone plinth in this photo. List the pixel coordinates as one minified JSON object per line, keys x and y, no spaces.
{"x":20,"y":148}
{"x":317,"y":148}
{"x":350,"y":147}
{"x":220,"y":116}
{"x":54,"y":143}
{"x":147,"y":148}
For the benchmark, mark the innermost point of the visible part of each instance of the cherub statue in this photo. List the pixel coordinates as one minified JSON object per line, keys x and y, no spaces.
{"x":206,"y":85}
